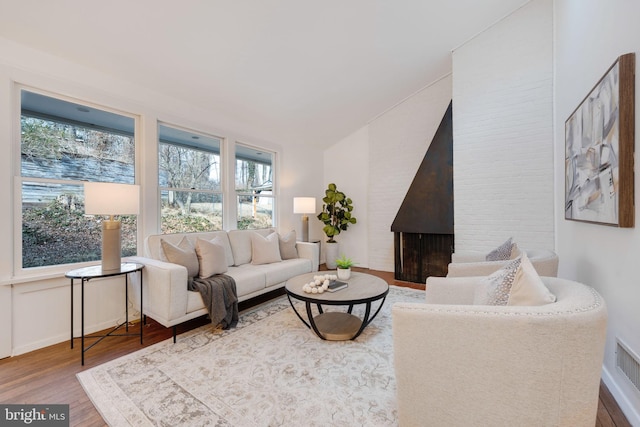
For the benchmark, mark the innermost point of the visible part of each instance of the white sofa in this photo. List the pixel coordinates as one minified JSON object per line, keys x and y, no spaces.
{"x":474,"y":263}
{"x":459,"y":364}
{"x":165,"y":295}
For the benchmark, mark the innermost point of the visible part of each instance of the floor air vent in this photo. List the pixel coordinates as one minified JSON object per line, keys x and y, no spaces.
{"x":628,"y":363}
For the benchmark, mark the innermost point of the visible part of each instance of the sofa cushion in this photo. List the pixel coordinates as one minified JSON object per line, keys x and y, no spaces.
{"x":284,"y":270}
{"x":211,"y":257}
{"x":249,"y":278}
{"x":287,"y":245}
{"x":182,"y":254}
{"x":265,"y":250}
{"x":241,"y":244}
{"x":153,"y":248}
{"x":194,"y":301}
{"x":223,"y":239}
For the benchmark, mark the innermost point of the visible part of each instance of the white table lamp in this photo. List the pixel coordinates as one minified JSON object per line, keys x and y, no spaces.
{"x":304,"y":206}
{"x":105,"y":198}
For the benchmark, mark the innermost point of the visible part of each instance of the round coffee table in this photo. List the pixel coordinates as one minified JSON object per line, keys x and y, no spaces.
{"x":338,"y":326}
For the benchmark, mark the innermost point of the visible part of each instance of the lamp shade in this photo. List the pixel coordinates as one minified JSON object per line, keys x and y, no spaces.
{"x":106,"y":198}
{"x":304,"y":205}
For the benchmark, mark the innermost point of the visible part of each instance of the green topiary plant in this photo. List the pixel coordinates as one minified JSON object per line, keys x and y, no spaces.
{"x":336,"y":212}
{"x":344,"y":262}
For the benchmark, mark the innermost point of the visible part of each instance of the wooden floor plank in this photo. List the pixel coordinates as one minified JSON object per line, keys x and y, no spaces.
{"x":48,"y":375}
{"x":603,"y":418}
{"x":611,"y":407}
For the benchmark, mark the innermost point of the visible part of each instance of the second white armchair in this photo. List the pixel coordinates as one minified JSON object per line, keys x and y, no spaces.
{"x":474,"y":264}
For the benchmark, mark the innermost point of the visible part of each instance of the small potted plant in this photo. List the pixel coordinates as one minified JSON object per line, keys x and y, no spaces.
{"x":344,"y":265}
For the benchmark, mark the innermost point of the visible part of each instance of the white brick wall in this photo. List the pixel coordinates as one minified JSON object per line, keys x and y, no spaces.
{"x":398,"y":141}
{"x":503,"y":133}
{"x":346,"y":165}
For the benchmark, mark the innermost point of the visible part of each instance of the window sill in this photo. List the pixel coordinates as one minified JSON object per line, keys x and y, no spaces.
{"x":43,"y":274}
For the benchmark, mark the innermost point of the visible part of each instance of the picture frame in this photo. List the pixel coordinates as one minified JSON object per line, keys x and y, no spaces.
{"x":599,"y":147}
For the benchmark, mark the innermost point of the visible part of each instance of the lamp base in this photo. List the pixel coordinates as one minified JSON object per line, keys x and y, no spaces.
{"x":111,"y":246}
{"x":305,"y":228}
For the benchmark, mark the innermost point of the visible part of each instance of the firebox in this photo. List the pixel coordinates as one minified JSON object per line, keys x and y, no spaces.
{"x":418,"y":256}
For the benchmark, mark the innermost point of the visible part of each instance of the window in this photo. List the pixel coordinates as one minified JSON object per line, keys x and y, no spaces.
{"x":254,"y":187}
{"x":63,"y":144}
{"x":189,"y":181}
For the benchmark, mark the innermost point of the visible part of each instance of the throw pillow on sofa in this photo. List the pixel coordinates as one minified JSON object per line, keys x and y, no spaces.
{"x":288,"y":246}
{"x":265,"y":250}
{"x":211,"y":257}
{"x":502,"y":252}
{"x":515,"y":251}
{"x":494,"y":289}
{"x":528,"y":288}
{"x":517,"y":283}
{"x":183,"y":254}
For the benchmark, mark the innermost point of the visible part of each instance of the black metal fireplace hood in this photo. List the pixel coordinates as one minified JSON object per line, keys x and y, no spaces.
{"x":428,"y":205}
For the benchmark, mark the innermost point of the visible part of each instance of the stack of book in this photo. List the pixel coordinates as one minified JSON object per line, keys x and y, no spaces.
{"x":336,"y":285}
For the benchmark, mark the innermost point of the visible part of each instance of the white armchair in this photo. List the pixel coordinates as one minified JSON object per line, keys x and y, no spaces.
{"x":474,"y":264}
{"x":458,"y":364}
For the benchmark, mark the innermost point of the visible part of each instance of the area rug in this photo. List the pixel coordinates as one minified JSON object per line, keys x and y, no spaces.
{"x":270,"y":370}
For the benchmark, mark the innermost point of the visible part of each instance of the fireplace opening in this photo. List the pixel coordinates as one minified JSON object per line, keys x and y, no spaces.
{"x":418,"y":256}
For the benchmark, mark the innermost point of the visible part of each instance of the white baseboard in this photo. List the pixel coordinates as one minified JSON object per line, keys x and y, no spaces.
{"x":628,"y":408}
{"x":32,"y":346}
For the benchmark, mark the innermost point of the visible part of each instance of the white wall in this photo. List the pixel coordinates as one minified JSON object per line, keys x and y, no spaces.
{"x":346,"y":164}
{"x":375,"y":166}
{"x":300,"y":176}
{"x":589,"y":36}
{"x":503,"y":137}
{"x":40,"y":303}
{"x":398,"y":140}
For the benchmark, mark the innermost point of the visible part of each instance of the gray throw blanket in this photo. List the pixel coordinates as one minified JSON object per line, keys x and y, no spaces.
{"x":220,"y":297}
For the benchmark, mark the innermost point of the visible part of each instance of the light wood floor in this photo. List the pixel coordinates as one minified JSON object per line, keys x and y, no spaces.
{"x":48,"y":376}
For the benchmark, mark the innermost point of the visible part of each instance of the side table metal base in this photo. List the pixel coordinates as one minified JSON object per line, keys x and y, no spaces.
{"x":88,"y":273}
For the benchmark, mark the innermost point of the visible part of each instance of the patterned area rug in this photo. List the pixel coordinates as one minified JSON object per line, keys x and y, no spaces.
{"x":269,"y":371}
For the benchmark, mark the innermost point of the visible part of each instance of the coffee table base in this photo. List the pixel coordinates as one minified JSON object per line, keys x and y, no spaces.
{"x":336,"y":326}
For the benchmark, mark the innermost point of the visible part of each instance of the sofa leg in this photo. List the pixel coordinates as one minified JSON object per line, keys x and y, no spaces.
{"x":174,"y":333}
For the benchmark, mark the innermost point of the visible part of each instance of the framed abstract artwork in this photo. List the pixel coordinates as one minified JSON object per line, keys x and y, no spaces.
{"x":599,"y":146}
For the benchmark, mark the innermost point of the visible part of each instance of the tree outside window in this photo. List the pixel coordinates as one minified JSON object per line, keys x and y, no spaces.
{"x":254,"y":187}
{"x":189,"y":180}
{"x":62,"y":145}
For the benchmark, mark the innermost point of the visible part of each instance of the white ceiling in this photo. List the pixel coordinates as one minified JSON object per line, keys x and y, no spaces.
{"x":292,"y":70}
